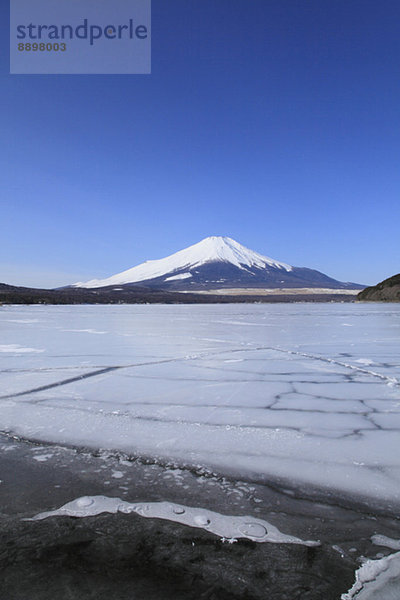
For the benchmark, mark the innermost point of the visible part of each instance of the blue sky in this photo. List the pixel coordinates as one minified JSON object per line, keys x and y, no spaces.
{"x":275,"y":122}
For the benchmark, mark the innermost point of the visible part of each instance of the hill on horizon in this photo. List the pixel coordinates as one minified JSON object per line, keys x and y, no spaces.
{"x":218,"y":262}
{"x":387,"y":290}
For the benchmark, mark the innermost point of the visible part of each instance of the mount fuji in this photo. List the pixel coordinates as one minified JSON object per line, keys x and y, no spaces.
{"x":214,"y":263}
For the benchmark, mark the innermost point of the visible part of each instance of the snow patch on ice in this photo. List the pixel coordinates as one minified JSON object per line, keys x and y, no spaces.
{"x":224,"y":526}
{"x":233,"y":360}
{"x":85,"y":331}
{"x":42,"y":457}
{"x":364,"y":361}
{"x":26,"y":321}
{"x":17,"y":349}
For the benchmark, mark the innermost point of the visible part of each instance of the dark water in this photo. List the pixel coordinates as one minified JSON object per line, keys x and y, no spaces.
{"x":129,"y":557}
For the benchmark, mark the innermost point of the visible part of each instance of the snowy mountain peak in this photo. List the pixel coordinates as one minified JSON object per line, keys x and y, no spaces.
{"x":213,"y":249}
{"x":225,"y":249}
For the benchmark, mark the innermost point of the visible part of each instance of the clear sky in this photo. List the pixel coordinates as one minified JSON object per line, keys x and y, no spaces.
{"x":275,"y":122}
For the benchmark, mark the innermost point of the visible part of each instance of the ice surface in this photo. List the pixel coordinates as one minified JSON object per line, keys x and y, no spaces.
{"x":271,"y":392}
{"x":228,"y":527}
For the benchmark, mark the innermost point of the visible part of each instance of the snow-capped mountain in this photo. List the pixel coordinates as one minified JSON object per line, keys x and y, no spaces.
{"x":217,"y":262}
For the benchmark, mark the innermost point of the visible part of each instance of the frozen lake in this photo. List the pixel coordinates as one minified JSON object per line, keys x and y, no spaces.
{"x":297,"y":394}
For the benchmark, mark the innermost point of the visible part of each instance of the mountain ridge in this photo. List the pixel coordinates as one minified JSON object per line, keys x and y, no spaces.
{"x":217,"y":262}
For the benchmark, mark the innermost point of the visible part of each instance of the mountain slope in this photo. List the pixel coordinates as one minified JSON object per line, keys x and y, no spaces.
{"x":385,"y":291}
{"x":178,"y":266}
{"x":217,"y":262}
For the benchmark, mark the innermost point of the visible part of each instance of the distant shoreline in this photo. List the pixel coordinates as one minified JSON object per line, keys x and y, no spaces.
{"x":21,"y":295}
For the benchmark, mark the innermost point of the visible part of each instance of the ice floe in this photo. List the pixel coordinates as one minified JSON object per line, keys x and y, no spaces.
{"x":377,"y":580}
{"x":225,"y":526}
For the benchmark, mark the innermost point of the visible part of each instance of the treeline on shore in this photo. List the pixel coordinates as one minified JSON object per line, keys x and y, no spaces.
{"x":21,"y":295}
